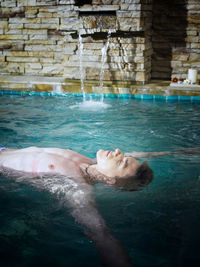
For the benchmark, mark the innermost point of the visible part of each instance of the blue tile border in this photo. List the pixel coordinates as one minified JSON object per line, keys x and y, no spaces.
{"x":171,"y":98}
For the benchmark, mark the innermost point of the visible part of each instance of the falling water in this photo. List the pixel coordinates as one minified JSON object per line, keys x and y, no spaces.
{"x":81,"y":65}
{"x":103,"y":59}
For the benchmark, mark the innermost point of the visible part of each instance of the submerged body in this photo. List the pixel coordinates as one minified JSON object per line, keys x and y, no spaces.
{"x":70,"y":175}
{"x":64,"y":172}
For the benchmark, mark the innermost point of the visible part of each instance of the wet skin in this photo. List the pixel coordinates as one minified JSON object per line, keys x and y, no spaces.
{"x":68,"y":165}
{"x":114,"y":163}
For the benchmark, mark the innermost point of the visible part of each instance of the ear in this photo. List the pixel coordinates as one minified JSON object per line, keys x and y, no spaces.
{"x":111,"y":181}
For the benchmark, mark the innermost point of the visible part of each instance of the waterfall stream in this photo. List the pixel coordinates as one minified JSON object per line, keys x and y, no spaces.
{"x":103,"y":60}
{"x":81,"y":65}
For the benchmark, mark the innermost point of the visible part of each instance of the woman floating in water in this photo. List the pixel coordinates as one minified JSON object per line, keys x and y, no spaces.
{"x":70,"y":175}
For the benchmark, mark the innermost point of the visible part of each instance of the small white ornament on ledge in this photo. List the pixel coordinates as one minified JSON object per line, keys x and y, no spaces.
{"x":192,"y":75}
{"x":187,"y":81}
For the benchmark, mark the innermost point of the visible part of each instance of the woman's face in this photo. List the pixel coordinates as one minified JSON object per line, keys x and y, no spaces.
{"x":114,"y":163}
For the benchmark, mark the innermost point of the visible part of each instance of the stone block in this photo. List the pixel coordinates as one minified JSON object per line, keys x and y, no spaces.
{"x":38,"y":32}
{"x":12,"y":12}
{"x":50,"y":60}
{"x":140,"y":76}
{"x":69,"y":48}
{"x":26,"y":3}
{"x":130,"y":1}
{"x":44,"y":15}
{"x":140,"y":47}
{"x":71,"y":72}
{"x":65,"y":14}
{"x":15,"y":53}
{"x":4,"y":24}
{"x":38,"y":37}
{"x":45,"y":3}
{"x":98,"y":22}
{"x":13,"y":37}
{"x":40,"y":42}
{"x":17,"y":47}
{"x":56,"y":69}
{"x":85,"y":58}
{"x":192,"y":39}
{"x":46,"y":48}
{"x":176,"y":64}
{"x":139,"y":59}
{"x":95,"y":7}
{"x":66,"y":2}
{"x":2,"y":58}
{"x":15,"y":68}
{"x":3,"y":67}
{"x":50,"y":20}
{"x":14,"y":32}
{"x":194,"y":19}
{"x":181,"y":57}
{"x":129,"y":24}
{"x":194,"y":57}
{"x":93,"y":46}
{"x":40,"y":54}
{"x":195,"y":45}
{"x":33,"y":66}
{"x":21,"y":59}
{"x":8,"y":3}
{"x":24,"y":20}
{"x":31,"y":11}
{"x":43,"y":87}
{"x":128,"y":14}
{"x":134,"y":7}
{"x":11,"y":45}
{"x":15,"y":26}
{"x":192,"y":32}
{"x":69,"y":24}
{"x":113,"y":52}
{"x":139,"y":67}
{"x":40,"y":26}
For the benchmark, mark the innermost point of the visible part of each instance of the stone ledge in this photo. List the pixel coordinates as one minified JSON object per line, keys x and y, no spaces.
{"x":60,"y":84}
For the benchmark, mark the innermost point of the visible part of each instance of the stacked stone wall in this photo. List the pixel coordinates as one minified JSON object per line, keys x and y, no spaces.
{"x":40,"y":38}
{"x":175,"y":38}
{"x":188,"y":56}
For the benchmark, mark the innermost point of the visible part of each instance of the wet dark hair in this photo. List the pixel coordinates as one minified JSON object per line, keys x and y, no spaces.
{"x":143,"y":177}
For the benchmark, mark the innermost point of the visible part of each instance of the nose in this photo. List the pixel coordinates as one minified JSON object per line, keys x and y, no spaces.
{"x":117,"y":152}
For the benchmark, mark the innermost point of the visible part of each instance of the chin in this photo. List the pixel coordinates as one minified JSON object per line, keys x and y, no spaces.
{"x":99,"y":152}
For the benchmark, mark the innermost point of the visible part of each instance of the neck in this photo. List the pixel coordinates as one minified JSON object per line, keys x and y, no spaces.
{"x":94,"y":176}
{"x":89,"y":176}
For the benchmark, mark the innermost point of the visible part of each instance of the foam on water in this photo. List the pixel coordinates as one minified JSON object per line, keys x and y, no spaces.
{"x":91,"y":105}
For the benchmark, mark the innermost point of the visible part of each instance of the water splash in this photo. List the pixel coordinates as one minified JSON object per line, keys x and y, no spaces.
{"x":57,"y":88}
{"x":81,"y":65}
{"x":103,"y":59}
{"x":91,"y":105}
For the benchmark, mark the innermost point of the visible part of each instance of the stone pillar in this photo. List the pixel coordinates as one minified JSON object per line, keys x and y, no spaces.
{"x":184,"y":58}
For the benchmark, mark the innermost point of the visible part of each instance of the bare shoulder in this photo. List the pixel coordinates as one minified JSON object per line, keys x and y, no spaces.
{"x":23,"y":150}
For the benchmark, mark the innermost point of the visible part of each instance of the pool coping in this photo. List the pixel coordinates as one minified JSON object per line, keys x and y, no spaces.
{"x":59,"y":86}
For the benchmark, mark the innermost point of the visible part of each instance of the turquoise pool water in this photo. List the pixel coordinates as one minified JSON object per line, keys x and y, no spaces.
{"x":158,"y":226}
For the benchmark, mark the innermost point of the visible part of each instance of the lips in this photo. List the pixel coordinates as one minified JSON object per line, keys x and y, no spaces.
{"x":108,"y":153}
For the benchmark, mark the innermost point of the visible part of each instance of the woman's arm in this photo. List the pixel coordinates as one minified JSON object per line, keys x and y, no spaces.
{"x":138,"y":155}
{"x":86,"y":213}
{"x":77,"y":196}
